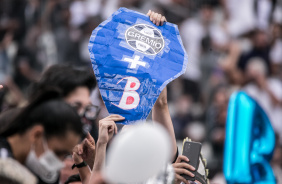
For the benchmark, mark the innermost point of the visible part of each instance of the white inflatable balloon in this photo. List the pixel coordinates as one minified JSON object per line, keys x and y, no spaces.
{"x":138,"y":154}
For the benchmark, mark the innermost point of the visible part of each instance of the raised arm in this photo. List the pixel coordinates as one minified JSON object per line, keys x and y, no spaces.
{"x":160,"y":114}
{"x":107,"y":128}
{"x":94,"y":156}
{"x":160,"y":110}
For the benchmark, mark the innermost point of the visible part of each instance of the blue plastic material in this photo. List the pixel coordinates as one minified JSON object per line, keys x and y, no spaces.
{"x":127,"y":50}
{"x":249,"y":143}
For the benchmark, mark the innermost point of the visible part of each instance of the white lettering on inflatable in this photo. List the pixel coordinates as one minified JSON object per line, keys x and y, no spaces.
{"x":130,"y":33}
{"x":130,"y":98}
{"x":145,"y":39}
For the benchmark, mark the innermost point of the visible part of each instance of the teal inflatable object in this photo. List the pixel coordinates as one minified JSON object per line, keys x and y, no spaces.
{"x":249,"y":143}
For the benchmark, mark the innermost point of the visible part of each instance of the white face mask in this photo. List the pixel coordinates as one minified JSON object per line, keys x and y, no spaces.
{"x":47,"y":166}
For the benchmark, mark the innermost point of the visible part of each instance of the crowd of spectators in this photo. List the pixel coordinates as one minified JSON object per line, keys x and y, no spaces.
{"x":231,"y":45}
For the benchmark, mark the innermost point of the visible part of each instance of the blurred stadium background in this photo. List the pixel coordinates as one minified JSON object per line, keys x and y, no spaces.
{"x":231,"y":45}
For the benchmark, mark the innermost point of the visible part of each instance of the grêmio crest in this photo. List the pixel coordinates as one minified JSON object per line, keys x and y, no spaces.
{"x":145,"y":39}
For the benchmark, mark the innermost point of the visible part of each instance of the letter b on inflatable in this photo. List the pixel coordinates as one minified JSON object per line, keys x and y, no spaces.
{"x":249,"y":143}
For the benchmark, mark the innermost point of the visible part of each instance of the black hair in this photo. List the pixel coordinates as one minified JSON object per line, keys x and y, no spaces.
{"x":7,"y":117}
{"x":50,"y":111}
{"x":66,"y":78}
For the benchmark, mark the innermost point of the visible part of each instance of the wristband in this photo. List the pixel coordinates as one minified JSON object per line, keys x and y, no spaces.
{"x":176,"y":155}
{"x":80,"y":165}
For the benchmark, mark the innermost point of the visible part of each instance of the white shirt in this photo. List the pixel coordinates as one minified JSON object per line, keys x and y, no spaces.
{"x":274,"y":112}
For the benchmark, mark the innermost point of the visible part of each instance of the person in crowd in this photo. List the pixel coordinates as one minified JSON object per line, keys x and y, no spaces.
{"x":107,"y":128}
{"x":235,"y":63}
{"x":42,"y":135}
{"x":76,"y":86}
{"x":267,"y":91}
{"x":54,"y":72}
{"x":260,"y":49}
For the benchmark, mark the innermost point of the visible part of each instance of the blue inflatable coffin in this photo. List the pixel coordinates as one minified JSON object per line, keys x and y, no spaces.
{"x":133,"y":60}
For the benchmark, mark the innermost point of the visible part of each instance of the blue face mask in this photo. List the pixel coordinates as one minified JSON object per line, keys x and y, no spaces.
{"x":47,"y":166}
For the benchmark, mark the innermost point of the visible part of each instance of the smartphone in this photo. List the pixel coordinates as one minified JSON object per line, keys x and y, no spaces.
{"x":192,"y":151}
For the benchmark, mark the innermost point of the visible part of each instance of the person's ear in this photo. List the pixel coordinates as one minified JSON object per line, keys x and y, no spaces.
{"x":36,"y":134}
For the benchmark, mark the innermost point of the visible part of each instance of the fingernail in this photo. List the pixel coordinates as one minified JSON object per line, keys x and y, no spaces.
{"x":193,"y":168}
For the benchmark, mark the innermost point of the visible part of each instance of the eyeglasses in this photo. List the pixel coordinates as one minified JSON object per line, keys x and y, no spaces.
{"x":89,"y":112}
